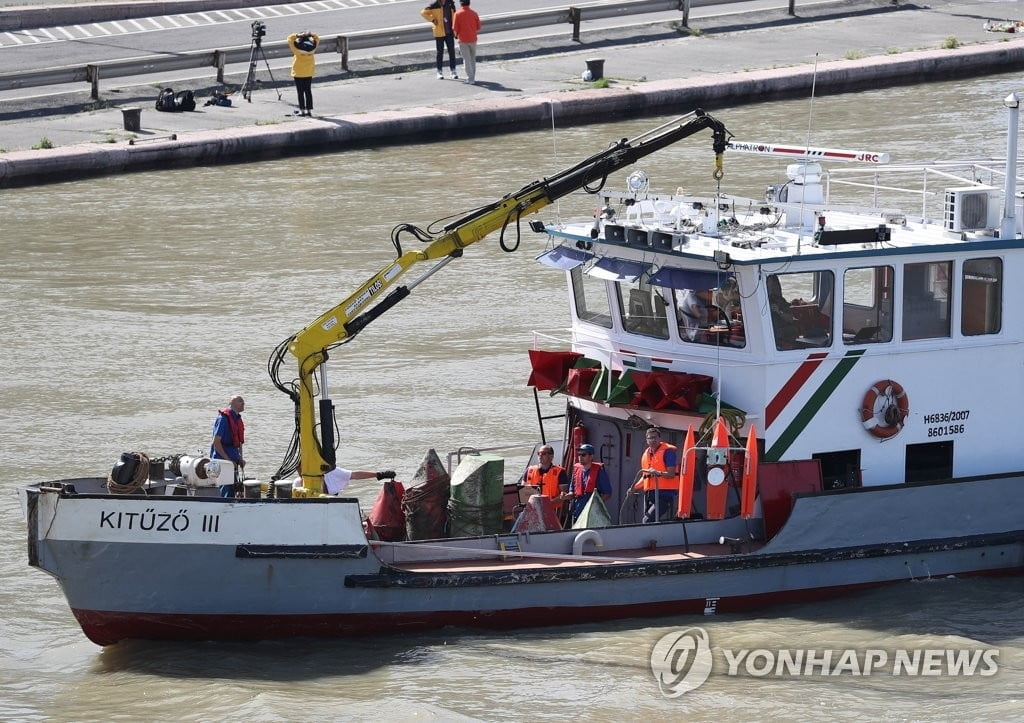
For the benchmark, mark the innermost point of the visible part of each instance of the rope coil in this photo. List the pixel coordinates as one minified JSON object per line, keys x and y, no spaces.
{"x":139,"y":479}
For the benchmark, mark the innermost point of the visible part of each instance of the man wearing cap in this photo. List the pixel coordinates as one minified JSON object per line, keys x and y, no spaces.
{"x":659,"y":484}
{"x":587,"y":476}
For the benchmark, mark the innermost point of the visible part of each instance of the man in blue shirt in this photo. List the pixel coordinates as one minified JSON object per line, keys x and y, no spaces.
{"x":588,"y":476}
{"x":228,"y":438}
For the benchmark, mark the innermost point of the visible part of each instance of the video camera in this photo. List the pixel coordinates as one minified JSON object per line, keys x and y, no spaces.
{"x":259,"y":29}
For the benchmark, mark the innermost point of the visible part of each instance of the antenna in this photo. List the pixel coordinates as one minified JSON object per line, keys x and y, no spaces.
{"x":810,"y":123}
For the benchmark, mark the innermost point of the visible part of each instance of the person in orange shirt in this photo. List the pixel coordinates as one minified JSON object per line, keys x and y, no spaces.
{"x":466,"y":25}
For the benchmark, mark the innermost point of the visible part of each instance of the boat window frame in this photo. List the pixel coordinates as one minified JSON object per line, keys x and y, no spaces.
{"x":857,"y":331}
{"x":801,"y":323}
{"x":923,"y":300}
{"x":991,"y":321}
{"x":580,"y":281}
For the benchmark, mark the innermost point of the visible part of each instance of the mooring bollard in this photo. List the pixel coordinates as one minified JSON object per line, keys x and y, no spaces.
{"x":132,"y":119}
{"x":596,"y":68}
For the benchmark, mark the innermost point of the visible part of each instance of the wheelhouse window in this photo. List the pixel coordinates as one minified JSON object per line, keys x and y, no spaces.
{"x":591,"y":298}
{"x":867,"y":305}
{"x":643,"y":309}
{"x":801,"y":309}
{"x":926,"y":300}
{"x":710,"y":315}
{"x":982,"y":297}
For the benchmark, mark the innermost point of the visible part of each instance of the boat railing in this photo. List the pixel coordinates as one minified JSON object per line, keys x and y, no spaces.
{"x":926,"y":182}
{"x":524,"y":449}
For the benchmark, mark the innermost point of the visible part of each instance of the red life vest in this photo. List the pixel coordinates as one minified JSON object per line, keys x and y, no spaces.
{"x":237,"y":427}
{"x":546,"y":481}
{"x":578,"y":487}
{"x":656,"y":461}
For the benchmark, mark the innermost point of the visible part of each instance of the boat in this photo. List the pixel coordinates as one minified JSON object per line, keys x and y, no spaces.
{"x":834,"y":424}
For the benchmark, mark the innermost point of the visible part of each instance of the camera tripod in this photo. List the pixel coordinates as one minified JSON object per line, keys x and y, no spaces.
{"x":256,"y":52}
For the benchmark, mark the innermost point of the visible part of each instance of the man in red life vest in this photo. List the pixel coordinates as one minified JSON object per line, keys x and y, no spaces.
{"x":658,"y":467}
{"x":588,"y":476}
{"x":548,"y":477}
{"x":228,"y":438}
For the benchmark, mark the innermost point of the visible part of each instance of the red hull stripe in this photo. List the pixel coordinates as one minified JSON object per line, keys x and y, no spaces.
{"x":785,"y":395}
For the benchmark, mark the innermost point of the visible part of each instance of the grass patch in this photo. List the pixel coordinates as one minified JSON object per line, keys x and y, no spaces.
{"x":43,"y":143}
{"x":853,"y":55}
{"x":950,"y":43}
{"x":601,"y":83}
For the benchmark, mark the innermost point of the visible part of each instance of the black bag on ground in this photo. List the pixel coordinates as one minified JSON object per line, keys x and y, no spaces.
{"x":185,"y":100}
{"x":165,"y":101}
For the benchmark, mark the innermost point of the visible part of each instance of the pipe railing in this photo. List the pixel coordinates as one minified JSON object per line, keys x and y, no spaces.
{"x":341,"y":44}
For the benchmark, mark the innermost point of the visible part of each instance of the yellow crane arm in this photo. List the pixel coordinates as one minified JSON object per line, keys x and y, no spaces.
{"x":341,"y":323}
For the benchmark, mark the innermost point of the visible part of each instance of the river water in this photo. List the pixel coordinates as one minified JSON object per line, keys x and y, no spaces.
{"x":133,"y":307}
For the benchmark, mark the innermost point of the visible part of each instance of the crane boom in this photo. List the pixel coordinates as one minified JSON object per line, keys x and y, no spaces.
{"x":340,"y":324}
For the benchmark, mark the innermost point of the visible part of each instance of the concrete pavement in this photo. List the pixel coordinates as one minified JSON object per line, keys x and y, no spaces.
{"x":659,"y":68}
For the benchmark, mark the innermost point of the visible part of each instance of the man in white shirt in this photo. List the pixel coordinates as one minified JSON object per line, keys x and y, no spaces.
{"x":338,"y":478}
{"x":693,"y":311}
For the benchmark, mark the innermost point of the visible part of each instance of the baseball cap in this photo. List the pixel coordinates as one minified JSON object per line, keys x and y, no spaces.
{"x":585,"y":448}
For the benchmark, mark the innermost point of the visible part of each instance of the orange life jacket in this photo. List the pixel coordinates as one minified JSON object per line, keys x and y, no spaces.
{"x":578,"y":487}
{"x":546,"y":481}
{"x":657,"y":461}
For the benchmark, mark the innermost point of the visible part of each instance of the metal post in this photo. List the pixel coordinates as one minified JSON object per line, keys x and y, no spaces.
{"x":343,"y":49}
{"x":218,"y":63}
{"x":792,"y":7}
{"x":1008,"y":226}
{"x":685,"y":5}
{"x":92,"y":75}
{"x":574,"y":18}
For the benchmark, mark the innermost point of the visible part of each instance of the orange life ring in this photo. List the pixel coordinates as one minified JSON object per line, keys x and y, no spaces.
{"x":884,"y":421}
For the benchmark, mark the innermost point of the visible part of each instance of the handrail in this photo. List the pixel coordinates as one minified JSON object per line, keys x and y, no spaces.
{"x":342,"y":44}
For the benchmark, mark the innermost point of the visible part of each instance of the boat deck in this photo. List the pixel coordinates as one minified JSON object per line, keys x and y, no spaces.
{"x":525,"y":561}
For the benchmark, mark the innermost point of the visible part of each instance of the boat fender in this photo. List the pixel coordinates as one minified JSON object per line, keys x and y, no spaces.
{"x":583,"y":538}
{"x":887,"y":420}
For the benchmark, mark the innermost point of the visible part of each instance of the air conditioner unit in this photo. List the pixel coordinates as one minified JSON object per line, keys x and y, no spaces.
{"x":971,"y":208}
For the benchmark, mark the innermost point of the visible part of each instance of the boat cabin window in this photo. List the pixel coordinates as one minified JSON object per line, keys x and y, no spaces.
{"x":982,"y":297}
{"x":710,"y":316}
{"x":926,"y":299}
{"x":867,"y":305}
{"x":643,"y":309}
{"x":591,"y":298}
{"x":801,"y":308}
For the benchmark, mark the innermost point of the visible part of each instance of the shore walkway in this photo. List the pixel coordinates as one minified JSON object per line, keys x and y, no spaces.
{"x":835,"y":47}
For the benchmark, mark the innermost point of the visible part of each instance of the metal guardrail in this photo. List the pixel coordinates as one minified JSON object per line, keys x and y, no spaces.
{"x":341,"y":44}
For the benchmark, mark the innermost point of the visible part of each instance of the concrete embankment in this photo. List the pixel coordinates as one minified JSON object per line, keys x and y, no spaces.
{"x":662,"y":76}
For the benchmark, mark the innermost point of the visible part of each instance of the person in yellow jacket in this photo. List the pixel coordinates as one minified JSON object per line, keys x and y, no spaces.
{"x":659,"y":481}
{"x":303,"y":45}
{"x":440,"y":14}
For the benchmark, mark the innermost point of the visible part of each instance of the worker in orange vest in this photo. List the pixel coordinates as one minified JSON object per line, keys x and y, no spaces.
{"x":658,"y":480}
{"x":549,"y":478}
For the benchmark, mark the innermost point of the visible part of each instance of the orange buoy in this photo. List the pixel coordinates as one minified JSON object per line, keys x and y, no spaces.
{"x":686,"y":475}
{"x":748,"y":491}
{"x":884,"y":409}
{"x":718,"y":470}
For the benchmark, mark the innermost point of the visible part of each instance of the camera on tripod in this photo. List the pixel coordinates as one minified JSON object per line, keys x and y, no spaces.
{"x":259,"y":29}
